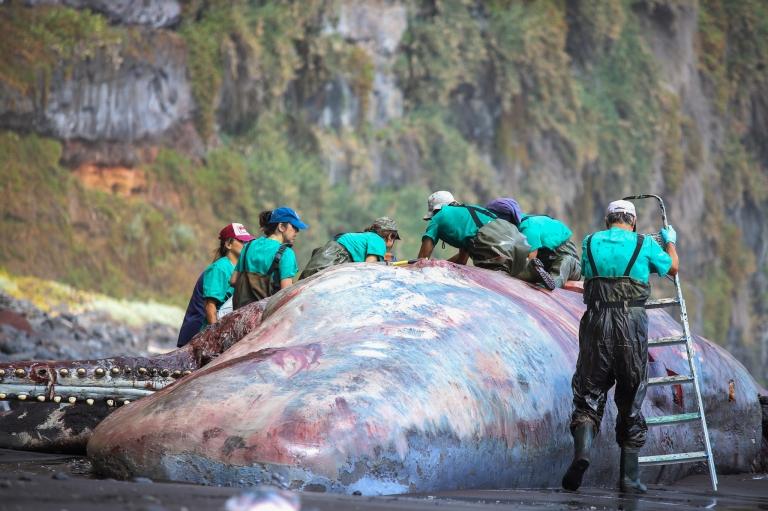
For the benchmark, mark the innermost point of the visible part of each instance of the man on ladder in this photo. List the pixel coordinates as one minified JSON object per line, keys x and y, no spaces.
{"x":613,"y":338}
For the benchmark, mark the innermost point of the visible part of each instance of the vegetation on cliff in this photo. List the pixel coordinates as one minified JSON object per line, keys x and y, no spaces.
{"x":35,"y":40}
{"x":563,"y":104}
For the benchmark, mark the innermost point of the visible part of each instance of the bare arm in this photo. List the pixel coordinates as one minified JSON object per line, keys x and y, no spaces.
{"x":210,"y":311}
{"x":533,"y":254}
{"x":427,"y":246}
{"x":233,"y":278}
{"x":461,"y":258}
{"x":286,"y":283}
{"x":371,"y":259}
{"x":672,"y":251}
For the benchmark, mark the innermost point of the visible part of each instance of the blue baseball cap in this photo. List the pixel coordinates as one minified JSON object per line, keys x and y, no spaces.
{"x":286,"y":214}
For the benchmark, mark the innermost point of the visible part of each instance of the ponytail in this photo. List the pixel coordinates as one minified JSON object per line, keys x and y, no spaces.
{"x":221,"y":251}
{"x":266,"y":227}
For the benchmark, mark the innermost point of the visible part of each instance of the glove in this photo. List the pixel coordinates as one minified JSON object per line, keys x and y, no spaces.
{"x":669,"y":235}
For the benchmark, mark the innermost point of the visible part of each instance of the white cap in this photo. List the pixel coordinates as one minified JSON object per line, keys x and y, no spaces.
{"x":621,"y":206}
{"x":436,"y":201}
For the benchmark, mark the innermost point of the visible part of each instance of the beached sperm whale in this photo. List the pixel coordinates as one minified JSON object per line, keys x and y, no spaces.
{"x":381,"y":379}
{"x":54,"y":405}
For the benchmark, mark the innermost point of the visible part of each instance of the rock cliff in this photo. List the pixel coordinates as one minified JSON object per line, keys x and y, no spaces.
{"x":355,"y":108}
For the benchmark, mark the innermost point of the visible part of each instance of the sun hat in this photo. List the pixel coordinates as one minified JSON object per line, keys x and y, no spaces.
{"x":387,"y":224}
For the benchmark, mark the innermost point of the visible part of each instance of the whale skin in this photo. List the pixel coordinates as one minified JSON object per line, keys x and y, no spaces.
{"x":383,"y":380}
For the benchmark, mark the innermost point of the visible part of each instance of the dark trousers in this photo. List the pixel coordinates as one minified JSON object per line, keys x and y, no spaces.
{"x":613,"y":348}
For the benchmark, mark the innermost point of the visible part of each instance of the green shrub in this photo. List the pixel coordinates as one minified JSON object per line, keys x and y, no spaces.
{"x":35,"y":40}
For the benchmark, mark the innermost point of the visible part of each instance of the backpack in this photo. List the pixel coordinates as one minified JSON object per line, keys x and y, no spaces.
{"x":252,"y":287}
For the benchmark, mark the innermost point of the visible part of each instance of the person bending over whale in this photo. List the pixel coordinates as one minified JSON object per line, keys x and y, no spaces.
{"x":368,"y":246}
{"x":491,"y":242}
{"x":553,"y":258}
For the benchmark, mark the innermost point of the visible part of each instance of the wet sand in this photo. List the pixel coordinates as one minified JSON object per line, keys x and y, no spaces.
{"x":40,"y":481}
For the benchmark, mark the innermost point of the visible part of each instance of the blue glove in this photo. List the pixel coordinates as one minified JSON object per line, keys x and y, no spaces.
{"x":669,"y":235}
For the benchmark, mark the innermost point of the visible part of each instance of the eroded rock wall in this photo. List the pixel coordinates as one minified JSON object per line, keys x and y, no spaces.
{"x":566,"y":107}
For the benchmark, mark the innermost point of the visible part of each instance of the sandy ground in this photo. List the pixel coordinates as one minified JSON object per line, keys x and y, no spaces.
{"x":39,"y":481}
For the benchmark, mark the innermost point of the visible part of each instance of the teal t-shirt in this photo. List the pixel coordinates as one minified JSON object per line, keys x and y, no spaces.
{"x":543,"y":231}
{"x":454,"y":225}
{"x":612,"y":250}
{"x":257,"y":256}
{"x":362,"y":244}
{"x":216,"y":281}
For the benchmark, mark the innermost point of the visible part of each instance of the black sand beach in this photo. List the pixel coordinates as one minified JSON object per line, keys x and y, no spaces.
{"x":43,"y":482}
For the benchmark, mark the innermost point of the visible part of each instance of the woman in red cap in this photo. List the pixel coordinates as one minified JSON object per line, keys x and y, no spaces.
{"x":212,"y":288}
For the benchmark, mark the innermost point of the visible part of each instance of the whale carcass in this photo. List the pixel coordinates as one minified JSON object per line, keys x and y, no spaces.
{"x":378,"y":379}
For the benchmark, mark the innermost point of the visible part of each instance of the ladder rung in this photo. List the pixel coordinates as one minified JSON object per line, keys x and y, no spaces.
{"x":666,"y":341}
{"x":670,"y":380}
{"x":656,"y":236}
{"x":671,"y":459}
{"x":672,"y":419}
{"x":661,"y":302}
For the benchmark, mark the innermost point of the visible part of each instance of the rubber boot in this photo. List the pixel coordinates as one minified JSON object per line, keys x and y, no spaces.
{"x":543,"y":274}
{"x":582,"y":442}
{"x":629,"y":473}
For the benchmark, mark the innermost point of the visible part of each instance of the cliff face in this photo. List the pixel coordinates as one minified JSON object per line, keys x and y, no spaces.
{"x":192,"y":115}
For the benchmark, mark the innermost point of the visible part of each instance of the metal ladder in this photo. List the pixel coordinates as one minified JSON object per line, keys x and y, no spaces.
{"x":693,"y":377}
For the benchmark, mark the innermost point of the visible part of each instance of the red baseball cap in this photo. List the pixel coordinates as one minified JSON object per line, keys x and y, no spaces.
{"x":236,"y":231}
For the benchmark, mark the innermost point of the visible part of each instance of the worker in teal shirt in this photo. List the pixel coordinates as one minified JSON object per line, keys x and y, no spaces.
{"x":553,"y":259}
{"x":268,"y":264}
{"x":613,"y":338}
{"x":491,"y":242}
{"x":212,"y":288}
{"x":612,"y":250}
{"x":357,"y":247}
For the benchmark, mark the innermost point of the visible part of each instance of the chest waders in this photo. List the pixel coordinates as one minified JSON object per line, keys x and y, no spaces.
{"x":252,"y":287}
{"x":330,"y":254}
{"x":498,"y":245}
{"x":613,"y":349}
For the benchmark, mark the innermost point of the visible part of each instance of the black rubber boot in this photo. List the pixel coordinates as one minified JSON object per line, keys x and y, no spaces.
{"x":582,"y":442}
{"x":543,"y":274}
{"x":629,"y":474}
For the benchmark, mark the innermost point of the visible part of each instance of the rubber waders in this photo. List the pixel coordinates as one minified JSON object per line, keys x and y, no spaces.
{"x":629,"y":475}
{"x":582,"y":442}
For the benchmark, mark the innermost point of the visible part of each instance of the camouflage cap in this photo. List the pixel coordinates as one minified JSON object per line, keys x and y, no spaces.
{"x":386,"y":224}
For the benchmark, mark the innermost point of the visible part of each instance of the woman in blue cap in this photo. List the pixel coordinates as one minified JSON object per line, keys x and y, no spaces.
{"x":267,"y":264}
{"x":212,"y":288}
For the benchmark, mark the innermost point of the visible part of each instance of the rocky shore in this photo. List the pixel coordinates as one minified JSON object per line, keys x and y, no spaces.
{"x":27,"y":332}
